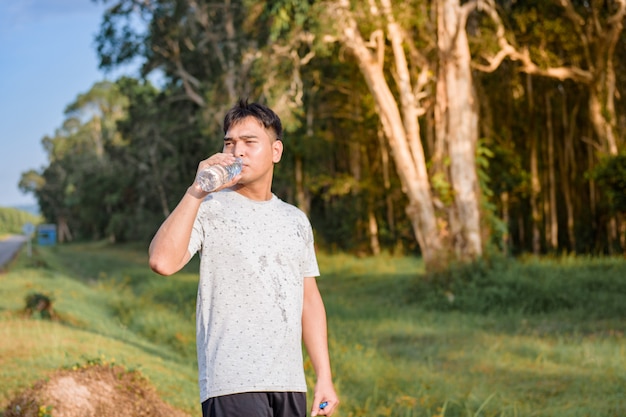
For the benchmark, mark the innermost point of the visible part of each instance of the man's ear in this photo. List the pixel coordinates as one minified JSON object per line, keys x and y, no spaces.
{"x":277,"y":151}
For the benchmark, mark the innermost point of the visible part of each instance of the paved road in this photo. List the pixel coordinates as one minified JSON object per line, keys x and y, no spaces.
{"x":9,"y":247}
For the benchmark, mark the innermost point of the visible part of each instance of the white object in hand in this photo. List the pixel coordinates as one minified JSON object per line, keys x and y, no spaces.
{"x":215,"y":176}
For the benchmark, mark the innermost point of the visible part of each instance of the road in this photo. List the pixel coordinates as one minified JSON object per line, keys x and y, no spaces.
{"x":9,"y":247}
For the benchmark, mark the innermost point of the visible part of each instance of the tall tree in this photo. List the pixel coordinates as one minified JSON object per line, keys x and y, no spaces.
{"x":398,"y":116}
{"x":589,"y":58}
{"x":579,"y":40}
{"x":346,"y":74}
{"x":401,"y":104}
{"x":80,"y":184}
{"x":457,"y":121}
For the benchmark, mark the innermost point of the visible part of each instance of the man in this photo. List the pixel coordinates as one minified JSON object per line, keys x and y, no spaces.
{"x":257,"y":296}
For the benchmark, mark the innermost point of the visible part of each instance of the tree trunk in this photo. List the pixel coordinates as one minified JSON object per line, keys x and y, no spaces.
{"x":63,"y":230}
{"x":568,"y":161}
{"x":535,"y":182}
{"x":602,"y":119}
{"x":373,"y":231}
{"x":592,"y":191}
{"x":566,"y":186}
{"x":401,"y":129}
{"x":360,"y":207}
{"x":303,"y":198}
{"x":611,"y":230}
{"x":602,"y":90}
{"x":384,"y":156}
{"x":553,"y":237}
{"x":545,"y":199}
{"x":459,"y":116}
{"x":620,"y":227}
{"x":521,"y":227}
{"x":506,"y":219}
{"x":535,"y":196}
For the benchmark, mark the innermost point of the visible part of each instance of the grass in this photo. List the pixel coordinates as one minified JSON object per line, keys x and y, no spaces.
{"x":412,"y":355}
{"x":87,"y":297}
{"x":399,"y":346}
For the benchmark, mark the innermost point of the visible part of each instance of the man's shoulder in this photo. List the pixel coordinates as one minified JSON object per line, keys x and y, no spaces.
{"x":290,"y":208}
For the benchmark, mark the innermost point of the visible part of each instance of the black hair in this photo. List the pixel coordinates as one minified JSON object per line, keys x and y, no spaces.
{"x":262,"y":113}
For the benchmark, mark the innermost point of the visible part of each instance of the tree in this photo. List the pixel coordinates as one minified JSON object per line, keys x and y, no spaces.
{"x":579,"y":40}
{"x":456,"y":119}
{"x":400,"y":105}
{"x":398,"y":116}
{"x":76,"y":188}
{"x":589,"y":47}
{"x":266,"y":59}
{"x":205,"y":48}
{"x":471,"y":102}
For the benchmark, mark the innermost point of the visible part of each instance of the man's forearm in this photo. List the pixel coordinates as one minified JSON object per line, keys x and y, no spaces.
{"x":168,"y":249}
{"x":314,"y":333}
{"x":315,"y":336}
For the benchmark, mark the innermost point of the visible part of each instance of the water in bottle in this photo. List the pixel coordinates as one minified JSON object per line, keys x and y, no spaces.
{"x":216,"y":175}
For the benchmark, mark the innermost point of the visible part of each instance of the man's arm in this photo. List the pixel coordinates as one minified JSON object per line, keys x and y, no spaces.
{"x":168,"y":249}
{"x":315,"y":336}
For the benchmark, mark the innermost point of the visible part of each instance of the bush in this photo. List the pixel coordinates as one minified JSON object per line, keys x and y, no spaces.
{"x":593,"y":288}
{"x":610,"y":174}
{"x":39,"y":304}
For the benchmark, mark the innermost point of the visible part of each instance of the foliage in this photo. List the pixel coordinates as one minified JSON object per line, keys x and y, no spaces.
{"x":127,"y":151}
{"x":40,"y":304}
{"x":497,"y":228}
{"x":45,"y":411}
{"x":577,"y":287}
{"x":552,"y":39}
{"x":610,"y":175}
{"x":12,"y":220}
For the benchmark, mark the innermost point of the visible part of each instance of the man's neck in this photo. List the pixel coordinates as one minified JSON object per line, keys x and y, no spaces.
{"x":256,"y":193}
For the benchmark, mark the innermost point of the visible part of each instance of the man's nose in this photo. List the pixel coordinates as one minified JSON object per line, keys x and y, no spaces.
{"x":238,"y":148}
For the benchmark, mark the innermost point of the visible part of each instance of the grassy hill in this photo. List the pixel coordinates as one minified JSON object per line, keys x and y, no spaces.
{"x":13,"y":219}
{"x":97,"y":313}
{"x":485,"y":341}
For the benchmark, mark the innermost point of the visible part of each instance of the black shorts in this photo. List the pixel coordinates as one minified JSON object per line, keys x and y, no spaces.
{"x":256,"y":404}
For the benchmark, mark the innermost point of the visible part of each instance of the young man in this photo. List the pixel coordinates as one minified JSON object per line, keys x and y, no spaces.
{"x":257,"y":295}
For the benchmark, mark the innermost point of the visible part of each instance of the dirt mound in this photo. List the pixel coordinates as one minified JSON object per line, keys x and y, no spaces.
{"x":95,"y":390}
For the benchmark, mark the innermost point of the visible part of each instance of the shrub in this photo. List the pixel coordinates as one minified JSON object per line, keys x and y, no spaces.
{"x":39,"y":304}
{"x":593,"y":288}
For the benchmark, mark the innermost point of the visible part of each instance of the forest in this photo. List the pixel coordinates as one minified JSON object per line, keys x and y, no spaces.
{"x":448,"y":129}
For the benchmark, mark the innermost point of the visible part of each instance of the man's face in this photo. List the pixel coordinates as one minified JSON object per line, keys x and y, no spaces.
{"x":256,"y":146}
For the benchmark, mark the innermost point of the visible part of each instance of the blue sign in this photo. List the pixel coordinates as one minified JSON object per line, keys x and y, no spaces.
{"x":28,"y":229}
{"x":47,"y":234}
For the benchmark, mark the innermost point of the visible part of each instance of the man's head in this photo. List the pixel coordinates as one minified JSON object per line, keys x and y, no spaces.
{"x":262,"y":113}
{"x":253,"y":132}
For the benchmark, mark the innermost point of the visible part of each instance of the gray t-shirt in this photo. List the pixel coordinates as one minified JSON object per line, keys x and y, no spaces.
{"x":254,"y":256}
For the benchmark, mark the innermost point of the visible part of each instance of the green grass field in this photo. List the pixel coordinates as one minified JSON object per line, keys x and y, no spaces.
{"x":503,"y":338}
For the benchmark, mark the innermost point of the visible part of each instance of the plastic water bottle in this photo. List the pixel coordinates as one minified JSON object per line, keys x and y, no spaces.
{"x":218,"y":175}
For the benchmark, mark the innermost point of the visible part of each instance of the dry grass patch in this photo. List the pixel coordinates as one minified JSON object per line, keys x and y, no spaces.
{"x":94,"y":390}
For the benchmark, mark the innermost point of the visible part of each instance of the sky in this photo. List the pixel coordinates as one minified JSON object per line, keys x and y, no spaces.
{"x":47,"y":58}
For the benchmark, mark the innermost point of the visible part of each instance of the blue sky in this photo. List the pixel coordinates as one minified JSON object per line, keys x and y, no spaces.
{"x":47,"y":58}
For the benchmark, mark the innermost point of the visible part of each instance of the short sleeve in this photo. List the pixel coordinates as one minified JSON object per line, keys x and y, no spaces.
{"x":195,"y":240}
